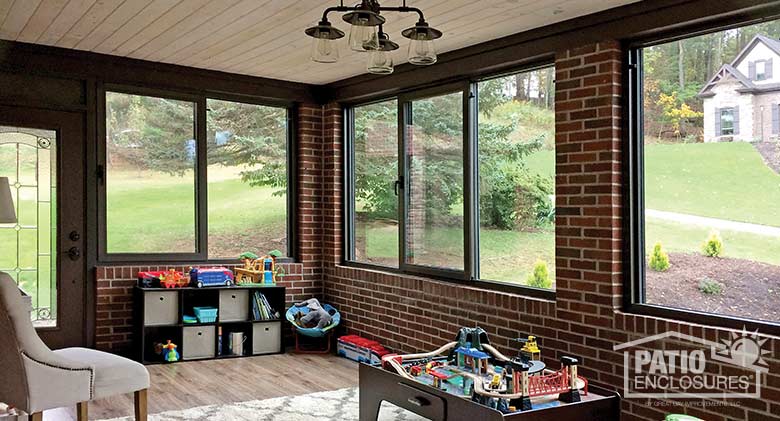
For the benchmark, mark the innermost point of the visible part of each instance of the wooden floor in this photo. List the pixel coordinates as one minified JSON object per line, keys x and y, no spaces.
{"x":189,"y":384}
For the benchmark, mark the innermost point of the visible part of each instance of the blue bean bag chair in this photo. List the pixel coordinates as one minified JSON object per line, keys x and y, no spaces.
{"x":312,"y":332}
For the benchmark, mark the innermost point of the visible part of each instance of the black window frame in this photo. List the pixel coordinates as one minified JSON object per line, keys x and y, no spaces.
{"x":633,"y":190}
{"x":467,"y":276}
{"x":200,"y":100}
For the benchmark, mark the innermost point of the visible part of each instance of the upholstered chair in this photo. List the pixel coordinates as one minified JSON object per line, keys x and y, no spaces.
{"x":35,"y":378}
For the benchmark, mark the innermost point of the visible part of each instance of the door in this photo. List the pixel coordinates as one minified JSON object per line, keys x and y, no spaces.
{"x":42,"y":153}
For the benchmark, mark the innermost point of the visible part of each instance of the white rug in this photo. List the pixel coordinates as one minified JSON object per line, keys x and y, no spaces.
{"x":336,"y":405}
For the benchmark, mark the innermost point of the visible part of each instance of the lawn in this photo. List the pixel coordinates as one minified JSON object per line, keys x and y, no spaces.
{"x":143,"y":203}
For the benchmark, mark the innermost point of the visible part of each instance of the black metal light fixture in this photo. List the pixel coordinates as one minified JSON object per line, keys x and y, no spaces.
{"x":366,"y":35}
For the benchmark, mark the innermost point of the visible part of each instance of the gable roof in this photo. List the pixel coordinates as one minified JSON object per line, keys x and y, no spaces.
{"x":772,"y":44}
{"x":748,"y":85}
{"x":724,"y":70}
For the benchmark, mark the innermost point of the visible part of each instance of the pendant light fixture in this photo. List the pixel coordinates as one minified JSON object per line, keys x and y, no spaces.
{"x":324,"y":47}
{"x":380,"y":60}
{"x":366,"y":35}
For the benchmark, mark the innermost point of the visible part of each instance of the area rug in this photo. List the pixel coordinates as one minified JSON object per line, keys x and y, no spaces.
{"x":335,"y":405}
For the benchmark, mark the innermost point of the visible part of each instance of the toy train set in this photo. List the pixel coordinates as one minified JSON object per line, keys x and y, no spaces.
{"x":471,"y":368}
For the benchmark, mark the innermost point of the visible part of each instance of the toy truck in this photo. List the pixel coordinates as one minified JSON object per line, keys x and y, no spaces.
{"x":209,"y":277}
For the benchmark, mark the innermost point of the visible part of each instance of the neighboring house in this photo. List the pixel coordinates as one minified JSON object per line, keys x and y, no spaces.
{"x":741,"y":99}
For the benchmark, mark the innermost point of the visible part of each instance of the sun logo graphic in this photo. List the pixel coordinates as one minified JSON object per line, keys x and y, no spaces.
{"x":676,"y":365}
{"x":744,"y":349}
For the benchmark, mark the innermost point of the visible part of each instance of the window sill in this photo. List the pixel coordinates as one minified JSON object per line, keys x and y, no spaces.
{"x":709,"y":320}
{"x":518,"y":290}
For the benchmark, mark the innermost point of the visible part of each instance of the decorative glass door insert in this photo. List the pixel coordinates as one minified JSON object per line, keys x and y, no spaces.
{"x":28,"y":249}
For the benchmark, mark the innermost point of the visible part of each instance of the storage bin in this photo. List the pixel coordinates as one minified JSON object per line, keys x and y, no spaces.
{"x":198,"y":342}
{"x":205,"y":314}
{"x":266,"y":338}
{"x":233,"y":305}
{"x":161,"y":308}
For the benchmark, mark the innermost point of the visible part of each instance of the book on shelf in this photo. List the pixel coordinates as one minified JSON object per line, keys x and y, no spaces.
{"x":261,"y":308}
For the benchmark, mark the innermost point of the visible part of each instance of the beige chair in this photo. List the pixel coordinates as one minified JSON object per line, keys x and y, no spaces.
{"x":35,"y":378}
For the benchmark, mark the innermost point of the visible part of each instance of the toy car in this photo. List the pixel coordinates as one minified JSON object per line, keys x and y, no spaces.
{"x":207,"y":277}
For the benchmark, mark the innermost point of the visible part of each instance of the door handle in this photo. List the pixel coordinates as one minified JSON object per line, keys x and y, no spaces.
{"x":399,"y":184}
{"x":74,"y":253}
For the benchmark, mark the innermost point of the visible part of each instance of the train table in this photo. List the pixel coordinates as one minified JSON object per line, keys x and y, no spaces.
{"x":469,"y":379}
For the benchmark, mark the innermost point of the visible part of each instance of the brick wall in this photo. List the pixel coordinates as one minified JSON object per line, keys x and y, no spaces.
{"x":410,"y":313}
{"x":114,"y":317}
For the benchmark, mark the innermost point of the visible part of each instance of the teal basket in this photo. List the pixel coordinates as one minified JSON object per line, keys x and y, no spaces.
{"x":206,"y":314}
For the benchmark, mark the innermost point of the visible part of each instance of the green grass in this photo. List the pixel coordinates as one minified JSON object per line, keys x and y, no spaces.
{"x":718,"y":180}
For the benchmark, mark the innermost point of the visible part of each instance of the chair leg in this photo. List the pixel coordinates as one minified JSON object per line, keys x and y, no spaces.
{"x":140,"y":405}
{"x":38,"y":416}
{"x":82,"y":412}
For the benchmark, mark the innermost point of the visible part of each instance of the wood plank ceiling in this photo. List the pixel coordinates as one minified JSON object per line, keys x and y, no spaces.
{"x":261,"y":37}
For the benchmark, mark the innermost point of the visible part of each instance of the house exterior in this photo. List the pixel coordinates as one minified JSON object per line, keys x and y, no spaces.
{"x":741,"y":99}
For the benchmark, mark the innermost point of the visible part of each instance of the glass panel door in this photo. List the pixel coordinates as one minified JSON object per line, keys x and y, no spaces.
{"x":28,"y":157}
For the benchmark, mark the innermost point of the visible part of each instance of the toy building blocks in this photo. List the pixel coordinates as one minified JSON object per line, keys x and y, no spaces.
{"x":262,"y":270}
{"x":472,"y":368}
{"x":216,"y":276}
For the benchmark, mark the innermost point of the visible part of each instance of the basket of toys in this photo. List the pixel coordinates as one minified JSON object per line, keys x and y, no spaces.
{"x":206,"y":314}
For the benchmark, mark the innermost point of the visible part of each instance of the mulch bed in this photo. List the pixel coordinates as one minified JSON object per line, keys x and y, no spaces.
{"x":750,"y":289}
{"x":770,"y":152}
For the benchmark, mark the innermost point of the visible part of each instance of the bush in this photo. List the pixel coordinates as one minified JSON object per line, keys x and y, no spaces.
{"x":713,"y":247}
{"x":710,"y":287}
{"x":541,"y":276}
{"x":659,"y":260}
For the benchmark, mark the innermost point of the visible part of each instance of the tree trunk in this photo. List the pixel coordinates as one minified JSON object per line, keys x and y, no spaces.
{"x":681,"y":65}
{"x":549,"y":88}
{"x":520,"y":94}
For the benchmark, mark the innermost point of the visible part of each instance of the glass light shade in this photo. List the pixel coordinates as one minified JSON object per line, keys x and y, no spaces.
{"x":324,"y":50}
{"x":363,"y":38}
{"x":380,"y":62}
{"x":422,"y":52}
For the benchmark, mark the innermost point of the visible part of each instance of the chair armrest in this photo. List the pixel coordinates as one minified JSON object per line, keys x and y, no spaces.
{"x":57,"y":381}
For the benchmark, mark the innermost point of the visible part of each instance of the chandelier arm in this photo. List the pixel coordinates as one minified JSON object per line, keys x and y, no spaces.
{"x":403,"y":9}
{"x":340,"y":8}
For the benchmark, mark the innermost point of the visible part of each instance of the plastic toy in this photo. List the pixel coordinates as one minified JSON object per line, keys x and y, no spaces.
{"x":206,"y":277}
{"x":364,"y":350}
{"x":205,"y":314}
{"x":530,"y":349}
{"x":169,"y":352}
{"x":470,"y":367}
{"x":170,"y":278}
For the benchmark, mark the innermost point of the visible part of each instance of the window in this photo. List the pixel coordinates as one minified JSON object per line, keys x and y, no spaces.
{"x":473,"y":189}
{"x":516,"y":178}
{"x":706,"y":221}
{"x":434,"y":159}
{"x":247,"y":178}
{"x":760,"y":70}
{"x":193,"y":178}
{"x":726,"y":121}
{"x":151,"y":158}
{"x":375,"y":199}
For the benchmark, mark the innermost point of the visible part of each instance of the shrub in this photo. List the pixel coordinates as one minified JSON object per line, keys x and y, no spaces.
{"x":659,"y":260}
{"x":710,"y":287}
{"x":713,"y":247}
{"x":541,"y":276}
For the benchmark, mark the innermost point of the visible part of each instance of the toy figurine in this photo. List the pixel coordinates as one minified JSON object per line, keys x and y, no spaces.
{"x":170,"y":354}
{"x":530,"y":349}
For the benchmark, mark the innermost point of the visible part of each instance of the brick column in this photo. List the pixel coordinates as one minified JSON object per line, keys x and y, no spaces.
{"x":588,"y":190}
{"x":310,"y":172}
{"x":332,"y":184}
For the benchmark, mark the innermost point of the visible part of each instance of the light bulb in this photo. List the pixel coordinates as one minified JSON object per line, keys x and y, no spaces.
{"x":380,"y":62}
{"x":422,"y":51}
{"x":324,"y":51}
{"x":363,"y":37}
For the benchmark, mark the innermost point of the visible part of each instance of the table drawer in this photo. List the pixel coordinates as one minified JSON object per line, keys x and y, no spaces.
{"x":233,"y":305}
{"x":421,"y":403}
{"x":161,"y":308}
{"x":266,"y":338}
{"x":198,"y":342}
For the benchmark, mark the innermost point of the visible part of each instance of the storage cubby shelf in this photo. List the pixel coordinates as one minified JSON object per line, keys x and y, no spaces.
{"x":159,"y":316}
